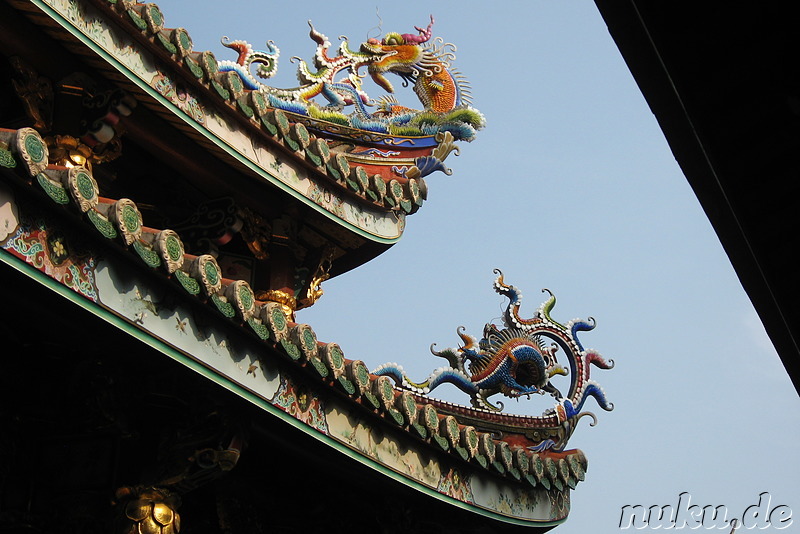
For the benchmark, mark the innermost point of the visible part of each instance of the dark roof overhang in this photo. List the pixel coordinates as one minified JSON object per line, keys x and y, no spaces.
{"x":723,"y":83}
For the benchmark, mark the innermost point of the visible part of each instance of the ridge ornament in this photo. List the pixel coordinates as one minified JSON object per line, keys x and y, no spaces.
{"x":518,"y":360}
{"x":416,"y":58}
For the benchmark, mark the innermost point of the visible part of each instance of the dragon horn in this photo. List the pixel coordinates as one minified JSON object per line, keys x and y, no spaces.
{"x":469,"y":341}
{"x":423,"y":37}
{"x":317,"y":37}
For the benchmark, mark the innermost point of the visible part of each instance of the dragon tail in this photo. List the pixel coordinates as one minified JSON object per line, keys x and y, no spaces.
{"x":436,"y":378}
{"x":592,"y":389}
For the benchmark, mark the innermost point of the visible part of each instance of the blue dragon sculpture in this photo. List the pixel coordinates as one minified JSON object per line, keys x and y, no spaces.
{"x":516,"y":360}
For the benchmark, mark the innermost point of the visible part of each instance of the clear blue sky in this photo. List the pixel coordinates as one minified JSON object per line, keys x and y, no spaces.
{"x":571,"y":187}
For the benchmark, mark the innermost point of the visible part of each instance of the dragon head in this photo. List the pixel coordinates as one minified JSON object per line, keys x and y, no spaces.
{"x":401,"y":54}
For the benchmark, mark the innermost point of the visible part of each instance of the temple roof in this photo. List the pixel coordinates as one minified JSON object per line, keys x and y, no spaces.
{"x":353,"y":184}
{"x":468,"y":435}
{"x":144,"y":180}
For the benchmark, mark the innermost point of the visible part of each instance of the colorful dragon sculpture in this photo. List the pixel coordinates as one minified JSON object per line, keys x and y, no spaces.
{"x":517,"y":360}
{"x":443,"y":92}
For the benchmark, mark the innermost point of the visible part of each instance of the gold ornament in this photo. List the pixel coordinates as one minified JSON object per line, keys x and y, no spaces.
{"x":148,"y":510}
{"x":288,"y":302}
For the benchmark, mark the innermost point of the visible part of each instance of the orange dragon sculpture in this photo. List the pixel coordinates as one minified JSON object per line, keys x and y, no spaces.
{"x":439,"y":88}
